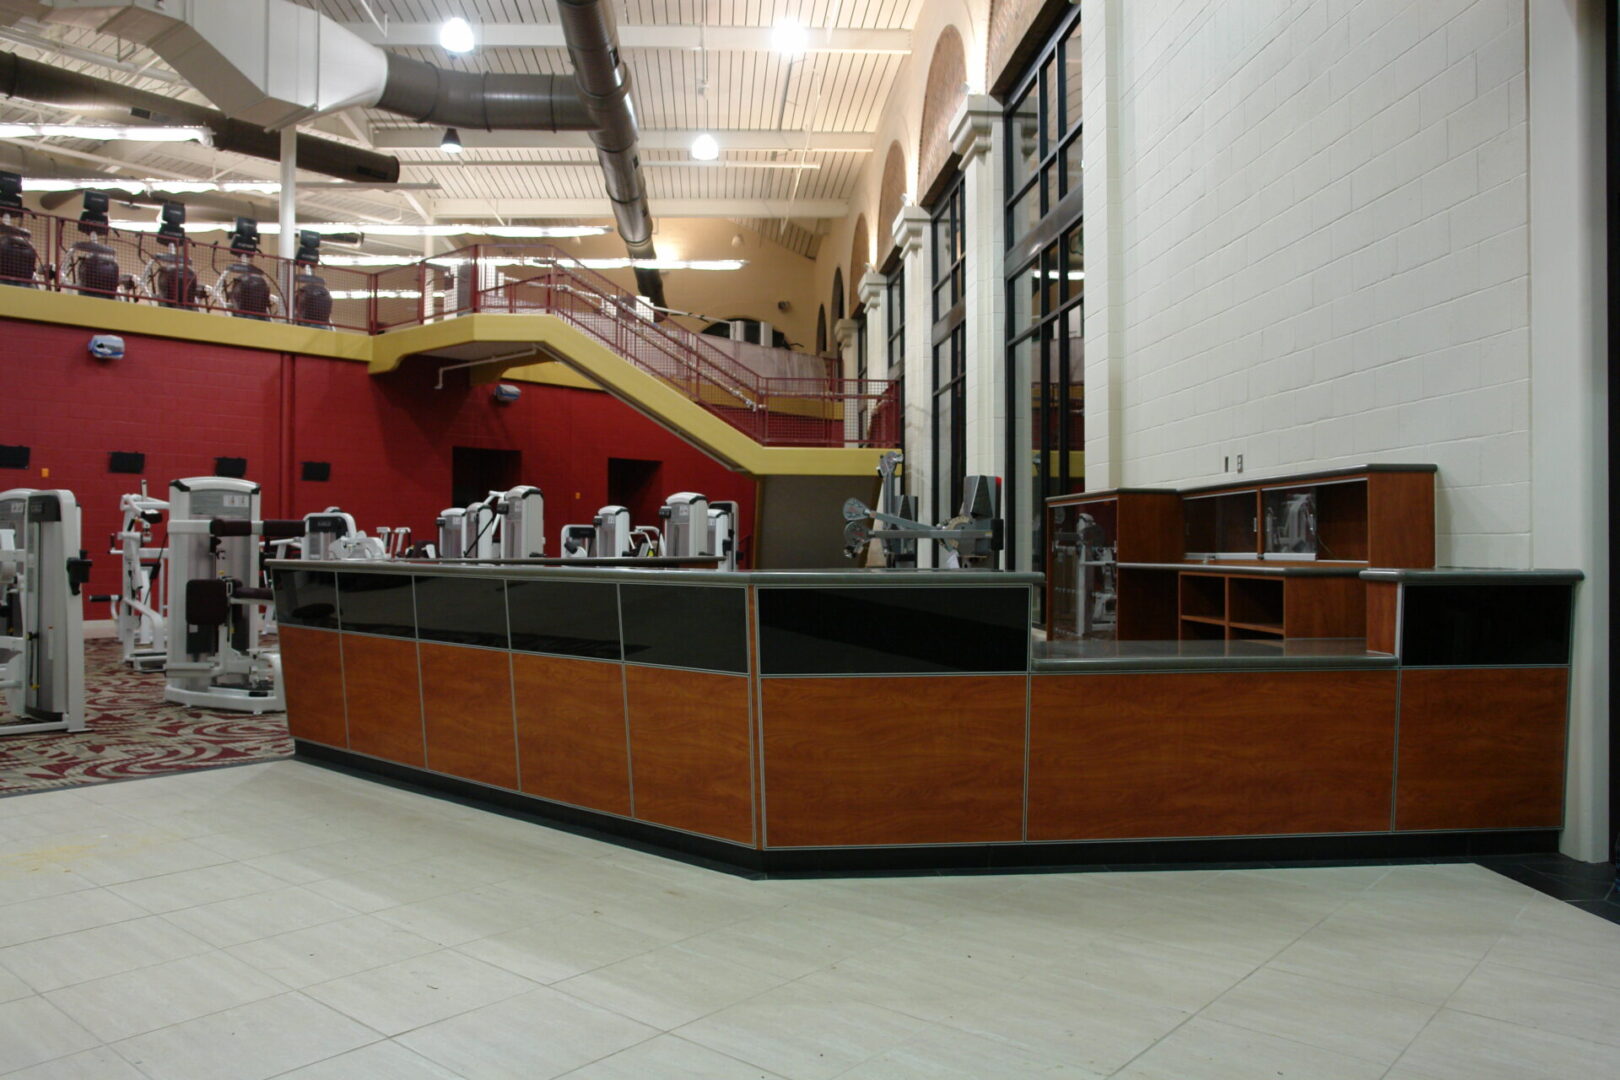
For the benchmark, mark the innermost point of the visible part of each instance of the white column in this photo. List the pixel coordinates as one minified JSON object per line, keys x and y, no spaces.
{"x":1105,"y":323}
{"x":844,"y":331}
{"x":1568,"y":345}
{"x":976,"y":136}
{"x":910,"y":232}
{"x":289,"y":191}
{"x":869,"y":290}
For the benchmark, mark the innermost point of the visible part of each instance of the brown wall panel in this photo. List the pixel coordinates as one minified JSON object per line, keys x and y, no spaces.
{"x":1382,"y":607}
{"x":1400,"y":519}
{"x":1216,"y":754}
{"x":467,"y":709}
{"x":1481,"y":748}
{"x":689,"y":752}
{"x":312,"y":671}
{"x":1332,"y":607}
{"x":384,"y":698}
{"x":571,"y":739}
{"x":930,"y":760}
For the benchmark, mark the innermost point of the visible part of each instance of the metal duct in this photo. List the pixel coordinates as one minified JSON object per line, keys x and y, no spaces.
{"x":604,"y":86}
{"x":55,"y":86}
{"x":466,"y":99}
{"x":275,"y":63}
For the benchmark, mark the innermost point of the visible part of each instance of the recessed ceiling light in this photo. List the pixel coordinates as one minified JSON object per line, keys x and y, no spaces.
{"x":456,"y":36}
{"x":790,"y":38}
{"x":705,"y":147}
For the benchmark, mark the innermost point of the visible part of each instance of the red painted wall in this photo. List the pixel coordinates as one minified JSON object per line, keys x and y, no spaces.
{"x":388,"y":437}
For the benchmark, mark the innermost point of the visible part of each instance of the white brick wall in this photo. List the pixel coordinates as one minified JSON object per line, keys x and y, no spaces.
{"x":1322,"y":248}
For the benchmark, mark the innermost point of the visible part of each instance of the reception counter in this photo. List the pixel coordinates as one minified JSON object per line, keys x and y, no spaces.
{"x":794,"y":721}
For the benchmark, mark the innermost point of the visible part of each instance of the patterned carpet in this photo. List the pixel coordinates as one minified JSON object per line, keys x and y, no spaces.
{"x":132,"y":732}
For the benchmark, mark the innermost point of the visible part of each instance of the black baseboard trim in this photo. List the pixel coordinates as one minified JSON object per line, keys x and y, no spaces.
{"x":654,"y":839}
{"x":1203,"y":854}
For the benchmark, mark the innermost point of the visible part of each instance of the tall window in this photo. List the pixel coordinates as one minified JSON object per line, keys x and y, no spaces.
{"x":1046,"y":276}
{"x":895,"y":349}
{"x":950,"y":349}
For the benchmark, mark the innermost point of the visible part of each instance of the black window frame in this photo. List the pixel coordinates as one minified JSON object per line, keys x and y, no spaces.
{"x":1044,"y":281}
{"x":948,"y":356}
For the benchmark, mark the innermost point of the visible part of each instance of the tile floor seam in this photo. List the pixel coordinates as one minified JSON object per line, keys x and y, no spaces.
{"x":322,"y":1061}
{"x":1249,"y":975}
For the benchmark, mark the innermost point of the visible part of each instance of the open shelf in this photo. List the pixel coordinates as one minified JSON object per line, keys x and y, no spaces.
{"x":1255,"y":601}
{"x":1202,"y":630}
{"x":1256,"y":629}
{"x":1203,"y":596}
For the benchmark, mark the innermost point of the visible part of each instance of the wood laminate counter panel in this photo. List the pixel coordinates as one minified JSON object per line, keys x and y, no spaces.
{"x":1210,"y":754}
{"x":874,"y":761}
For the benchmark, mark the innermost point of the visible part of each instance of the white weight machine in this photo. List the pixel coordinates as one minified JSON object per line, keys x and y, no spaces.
{"x":332,"y":534}
{"x":140,"y":607}
{"x":42,"y":577}
{"x":685,"y":515}
{"x":216,"y":599}
{"x":503,"y":525}
{"x":610,"y":536}
{"x":723,"y":534}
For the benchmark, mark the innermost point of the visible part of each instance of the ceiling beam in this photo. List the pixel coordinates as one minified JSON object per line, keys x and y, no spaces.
{"x":505,"y":209}
{"x":428,"y":138}
{"x":717,"y":38}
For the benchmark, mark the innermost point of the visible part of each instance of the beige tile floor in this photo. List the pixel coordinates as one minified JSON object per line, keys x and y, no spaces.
{"x":280,"y":920}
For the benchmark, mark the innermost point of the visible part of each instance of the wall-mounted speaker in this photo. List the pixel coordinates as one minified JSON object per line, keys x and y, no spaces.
{"x":317,"y":472}
{"x":126,"y":461}
{"x":14,"y":457}
{"x":234,"y":467}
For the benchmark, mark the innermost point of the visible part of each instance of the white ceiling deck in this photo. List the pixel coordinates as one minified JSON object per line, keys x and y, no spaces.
{"x":794,"y":131}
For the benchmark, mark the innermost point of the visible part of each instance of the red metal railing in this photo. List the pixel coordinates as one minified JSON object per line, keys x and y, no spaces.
{"x":42,"y":251}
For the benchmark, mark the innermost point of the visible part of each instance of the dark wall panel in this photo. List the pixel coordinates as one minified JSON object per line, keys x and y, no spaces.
{"x":567,"y":618}
{"x":461,"y":611}
{"x":893,"y":630}
{"x":690,"y":626}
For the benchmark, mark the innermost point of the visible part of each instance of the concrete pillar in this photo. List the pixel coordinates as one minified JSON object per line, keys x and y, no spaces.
{"x":1568,"y":372}
{"x":870,"y":290}
{"x":910,"y":232}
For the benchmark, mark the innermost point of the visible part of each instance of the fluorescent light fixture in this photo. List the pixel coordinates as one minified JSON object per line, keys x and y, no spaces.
{"x":790,"y":38}
{"x":705,"y":147}
{"x":107,"y":133}
{"x":451,"y":143}
{"x":156,"y":187}
{"x":456,"y":36}
{"x":371,"y":228}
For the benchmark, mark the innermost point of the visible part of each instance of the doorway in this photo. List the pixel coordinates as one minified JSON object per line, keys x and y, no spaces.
{"x":634,"y":484}
{"x":475,"y":472}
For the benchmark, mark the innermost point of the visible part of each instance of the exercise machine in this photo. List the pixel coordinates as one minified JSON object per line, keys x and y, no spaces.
{"x":972,"y":538}
{"x":217,"y":599}
{"x":140,"y":607}
{"x":1087,"y":550}
{"x":611,"y":536}
{"x":507,"y":524}
{"x":332,"y":534}
{"x":686,"y":524}
{"x":42,"y":576}
{"x":723,"y":533}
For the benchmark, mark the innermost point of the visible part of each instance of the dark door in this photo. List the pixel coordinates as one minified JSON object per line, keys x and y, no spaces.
{"x":634,"y":484}
{"x":475,"y":472}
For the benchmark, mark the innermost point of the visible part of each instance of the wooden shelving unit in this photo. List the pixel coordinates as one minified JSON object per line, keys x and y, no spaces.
{"x":1262,"y":561}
